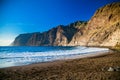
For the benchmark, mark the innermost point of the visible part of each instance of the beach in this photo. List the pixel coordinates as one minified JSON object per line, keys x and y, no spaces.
{"x":85,"y":68}
{"x":59,"y":40}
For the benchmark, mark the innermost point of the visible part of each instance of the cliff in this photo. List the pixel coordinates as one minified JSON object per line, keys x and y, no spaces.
{"x":104,"y":26}
{"x":22,"y":39}
{"x":103,"y":29}
{"x":58,"y":36}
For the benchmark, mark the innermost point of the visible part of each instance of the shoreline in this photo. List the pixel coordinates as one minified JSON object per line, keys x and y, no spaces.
{"x":88,"y":68}
{"x":78,"y":56}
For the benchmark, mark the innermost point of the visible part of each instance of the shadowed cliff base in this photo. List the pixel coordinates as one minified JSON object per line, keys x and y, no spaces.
{"x":102,"y":67}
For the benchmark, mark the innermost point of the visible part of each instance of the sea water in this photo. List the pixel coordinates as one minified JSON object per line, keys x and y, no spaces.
{"x":18,"y":56}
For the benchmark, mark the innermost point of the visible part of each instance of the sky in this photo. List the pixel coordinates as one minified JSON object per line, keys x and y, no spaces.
{"x":27,"y":16}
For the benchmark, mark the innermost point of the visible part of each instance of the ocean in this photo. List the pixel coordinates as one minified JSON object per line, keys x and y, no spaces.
{"x":18,"y":56}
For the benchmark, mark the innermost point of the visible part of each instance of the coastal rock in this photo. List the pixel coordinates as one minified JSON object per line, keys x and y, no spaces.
{"x":111,"y":69}
{"x":117,"y":68}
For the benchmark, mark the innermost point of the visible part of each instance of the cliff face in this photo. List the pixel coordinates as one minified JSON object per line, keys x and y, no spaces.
{"x":59,"y":36}
{"x":22,"y":40}
{"x":104,"y":26}
{"x":79,"y":37}
{"x":103,"y":29}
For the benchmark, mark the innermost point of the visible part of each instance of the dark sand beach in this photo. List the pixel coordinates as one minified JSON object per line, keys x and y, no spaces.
{"x":88,"y":68}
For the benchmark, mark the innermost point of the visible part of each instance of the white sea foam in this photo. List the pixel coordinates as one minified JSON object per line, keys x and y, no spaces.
{"x":53,"y":53}
{"x":23,"y":58}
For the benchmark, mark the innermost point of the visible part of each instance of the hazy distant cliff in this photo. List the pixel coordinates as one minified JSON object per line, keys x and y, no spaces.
{"x":103,"y":29}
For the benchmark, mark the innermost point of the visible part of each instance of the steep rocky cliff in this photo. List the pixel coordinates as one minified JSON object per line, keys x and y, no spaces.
{"x":104,"y":26}
{"x":22,"y":39}
{"x":103,"y":29}
{"x":59,"y":36}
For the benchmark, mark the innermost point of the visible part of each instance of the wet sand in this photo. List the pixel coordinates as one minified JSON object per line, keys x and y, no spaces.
{"x":94,"y":67}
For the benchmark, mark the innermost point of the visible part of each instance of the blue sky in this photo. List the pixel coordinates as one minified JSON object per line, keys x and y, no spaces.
{"x":26,"y":16}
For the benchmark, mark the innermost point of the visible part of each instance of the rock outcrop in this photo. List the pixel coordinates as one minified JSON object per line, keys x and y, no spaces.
{"x":103,"y":29}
